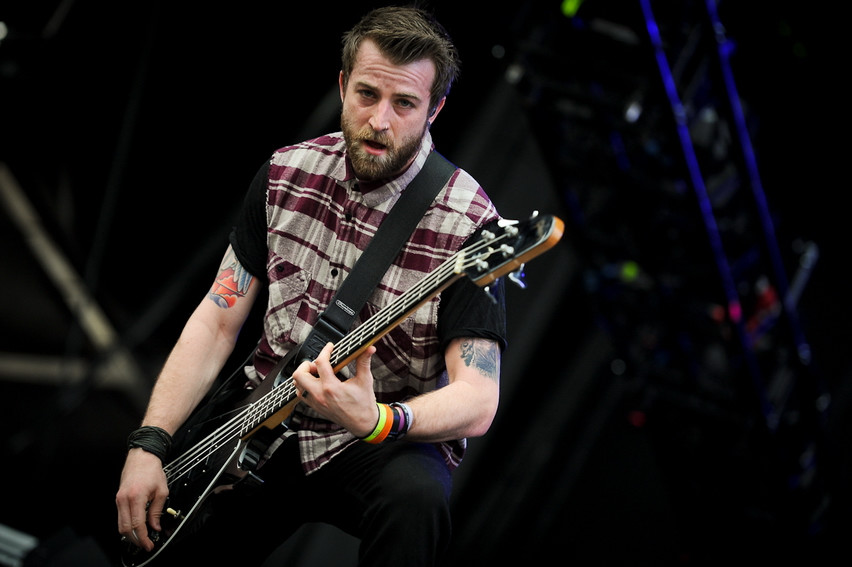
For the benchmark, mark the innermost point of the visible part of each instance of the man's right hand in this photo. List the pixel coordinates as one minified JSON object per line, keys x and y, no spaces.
{"x":141,"y":497}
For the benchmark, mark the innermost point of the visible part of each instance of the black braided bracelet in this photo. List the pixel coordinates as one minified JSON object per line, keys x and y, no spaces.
{"x":151,"y":439}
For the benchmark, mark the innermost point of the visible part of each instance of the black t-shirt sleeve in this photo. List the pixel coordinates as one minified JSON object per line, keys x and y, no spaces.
{"x":248,"y":237}
{"x":467,"y":310}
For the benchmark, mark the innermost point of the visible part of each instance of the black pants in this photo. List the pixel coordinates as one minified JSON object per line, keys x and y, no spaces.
{"x":394,"y":497}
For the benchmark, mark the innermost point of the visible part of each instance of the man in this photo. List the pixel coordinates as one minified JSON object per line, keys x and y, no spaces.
{"x":434,"y":379}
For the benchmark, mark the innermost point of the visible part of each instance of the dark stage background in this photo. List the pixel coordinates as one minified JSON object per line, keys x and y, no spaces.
{"x":677,"y":387}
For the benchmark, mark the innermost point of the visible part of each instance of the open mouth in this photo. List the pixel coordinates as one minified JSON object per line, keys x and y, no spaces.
{"x":374,"y":147}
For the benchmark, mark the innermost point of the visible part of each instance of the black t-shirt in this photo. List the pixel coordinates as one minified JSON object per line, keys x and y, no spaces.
{"x":466,"y":310}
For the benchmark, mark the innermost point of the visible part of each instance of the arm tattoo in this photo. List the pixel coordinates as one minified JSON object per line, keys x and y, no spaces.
{"x":232,"y":282}
{"x":482,"y":355}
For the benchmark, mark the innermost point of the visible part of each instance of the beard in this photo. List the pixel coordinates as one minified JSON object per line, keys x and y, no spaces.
{"x":370,"y":167}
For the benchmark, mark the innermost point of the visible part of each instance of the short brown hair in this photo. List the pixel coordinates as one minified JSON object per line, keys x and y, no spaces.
{"x":404,"y":35}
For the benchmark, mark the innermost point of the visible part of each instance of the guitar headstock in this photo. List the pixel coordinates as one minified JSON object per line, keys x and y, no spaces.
{"x":508,"y":247}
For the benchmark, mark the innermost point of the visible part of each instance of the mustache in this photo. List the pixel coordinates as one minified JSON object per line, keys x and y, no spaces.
{"x":368,"y":135}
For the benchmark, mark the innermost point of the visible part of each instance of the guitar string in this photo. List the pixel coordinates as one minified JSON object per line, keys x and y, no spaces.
{"x":380,"y":320}
{"x":385,"y":316}
{"x":282,"y":394}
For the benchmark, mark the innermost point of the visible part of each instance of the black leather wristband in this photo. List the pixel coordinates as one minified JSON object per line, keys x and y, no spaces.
{"x":152,"y":439}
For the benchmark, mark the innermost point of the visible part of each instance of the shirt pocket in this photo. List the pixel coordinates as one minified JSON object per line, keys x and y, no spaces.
{"x":288,"y":303}
{"x":410,"y":352}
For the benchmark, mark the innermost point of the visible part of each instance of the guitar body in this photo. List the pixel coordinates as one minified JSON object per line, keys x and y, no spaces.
{"x":224,"y":462}
{"x":188,"y":506}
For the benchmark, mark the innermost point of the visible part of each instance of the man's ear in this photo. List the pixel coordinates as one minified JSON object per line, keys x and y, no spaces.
{"x":438,"y":108}
{"x":342,"y":87}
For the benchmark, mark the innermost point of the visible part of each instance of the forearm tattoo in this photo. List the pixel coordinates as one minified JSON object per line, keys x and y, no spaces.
{"x":232,"y":282}
{"x":482,"y":355}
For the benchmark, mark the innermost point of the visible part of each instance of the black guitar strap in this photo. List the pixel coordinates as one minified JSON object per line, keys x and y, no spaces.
{"x":336,"y":320}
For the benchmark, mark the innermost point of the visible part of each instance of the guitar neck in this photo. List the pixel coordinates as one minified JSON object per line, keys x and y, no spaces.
{"x":377,"y":326}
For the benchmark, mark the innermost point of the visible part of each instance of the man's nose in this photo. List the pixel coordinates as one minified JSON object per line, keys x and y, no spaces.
{"x":380,"y":119}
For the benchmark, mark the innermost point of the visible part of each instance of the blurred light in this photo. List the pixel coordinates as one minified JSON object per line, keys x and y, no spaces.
{"x":4,"y":31}
{"x":570,"y":7}
{"x":735,"y":311}
{"x":629,"y":271}
{"x":514,"y":74}
{"x":633,"y":112}
{"x":717,"y":313}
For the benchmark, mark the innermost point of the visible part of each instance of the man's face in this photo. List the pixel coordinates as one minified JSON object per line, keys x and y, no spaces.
{"x":385,"y":112}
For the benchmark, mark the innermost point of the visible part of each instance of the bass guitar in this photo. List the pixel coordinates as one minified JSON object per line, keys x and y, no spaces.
{"x":222,"y":443}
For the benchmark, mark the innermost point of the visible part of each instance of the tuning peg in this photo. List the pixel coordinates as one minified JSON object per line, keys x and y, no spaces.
{"x":518,"y":277}
{"x":490,"y":294}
